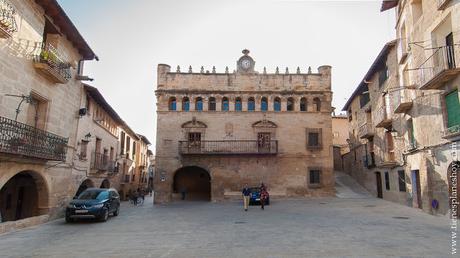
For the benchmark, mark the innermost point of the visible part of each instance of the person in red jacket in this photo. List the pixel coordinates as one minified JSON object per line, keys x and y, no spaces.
{"x":263,"y":196}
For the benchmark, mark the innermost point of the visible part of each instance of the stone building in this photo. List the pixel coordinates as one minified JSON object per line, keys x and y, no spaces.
{"x":41,"y":61}
{"x":218,"y":131}
{"x":414,"y":116}
{"x":142,"y":161}
{"x":97,"y":142}
{"x":339,"y":139}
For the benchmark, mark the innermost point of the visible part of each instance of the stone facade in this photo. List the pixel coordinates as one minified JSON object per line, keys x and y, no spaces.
{"x":395,"y":140}
{"x":243,"y":127}
{"x":38,"y":78}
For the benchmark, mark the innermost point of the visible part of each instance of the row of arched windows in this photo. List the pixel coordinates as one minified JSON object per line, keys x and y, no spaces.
{"x":172,"y":104}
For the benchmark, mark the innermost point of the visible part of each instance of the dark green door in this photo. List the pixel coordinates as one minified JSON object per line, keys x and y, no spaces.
{"x":453,"y":109}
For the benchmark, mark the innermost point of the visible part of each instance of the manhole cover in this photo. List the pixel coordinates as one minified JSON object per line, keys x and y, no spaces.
{"x":323,"y":203}
{"x":398,"y":217}
{"x":240,"y":222}
{"x":370,"y":206}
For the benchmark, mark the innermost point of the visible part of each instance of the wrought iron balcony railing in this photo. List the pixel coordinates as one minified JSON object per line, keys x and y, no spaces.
{"x":232,"y":147}
{"x":52,"y":64}
{"x":438,"y":68}
{"x":366,"y":130}
{"x":403,"y":100}
{"x":21,"y":139}
{"x":452,"y":132}
{"x":382,"y":117}
{"x":8,"y":23}
{"x":102,"y":162}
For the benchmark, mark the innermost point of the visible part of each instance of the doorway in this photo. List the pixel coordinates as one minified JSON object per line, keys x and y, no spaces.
{"x":193,"y":183}
{"x":378,"y":178}
{"x":416,"y":189}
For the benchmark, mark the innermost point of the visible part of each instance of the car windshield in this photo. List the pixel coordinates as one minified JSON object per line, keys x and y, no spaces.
{"x":94,"y":195}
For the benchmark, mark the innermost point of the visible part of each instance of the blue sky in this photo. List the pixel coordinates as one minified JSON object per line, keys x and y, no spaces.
{"x":132,"y":37}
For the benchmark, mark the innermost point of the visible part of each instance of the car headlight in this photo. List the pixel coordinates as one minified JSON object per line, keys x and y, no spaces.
{"x":100,"y":205}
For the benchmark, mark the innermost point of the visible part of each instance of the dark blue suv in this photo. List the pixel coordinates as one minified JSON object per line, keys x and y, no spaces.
{"x":255,"y":197}
{"x":94,"y":203}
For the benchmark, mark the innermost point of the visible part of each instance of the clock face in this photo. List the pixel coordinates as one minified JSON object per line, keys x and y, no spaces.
{"x":246,"y":64}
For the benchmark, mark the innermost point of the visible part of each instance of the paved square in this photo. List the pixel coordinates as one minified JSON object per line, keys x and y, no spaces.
{"x":327,"y":227}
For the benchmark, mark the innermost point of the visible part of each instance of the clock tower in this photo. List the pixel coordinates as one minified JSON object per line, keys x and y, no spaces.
{"x":245,"y":64}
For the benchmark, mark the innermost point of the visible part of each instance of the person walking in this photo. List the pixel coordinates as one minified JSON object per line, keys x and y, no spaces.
{"x":263,"y":196}
{"x":246,"y":193}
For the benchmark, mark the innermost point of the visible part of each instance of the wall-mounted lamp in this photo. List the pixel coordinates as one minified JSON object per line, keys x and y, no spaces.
{"x":88,"y":137}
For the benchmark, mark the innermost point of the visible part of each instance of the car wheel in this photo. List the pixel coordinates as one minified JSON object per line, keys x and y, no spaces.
{"x":116,"y":212}
{"x":105,"y":216}
{"x":68,"y":219}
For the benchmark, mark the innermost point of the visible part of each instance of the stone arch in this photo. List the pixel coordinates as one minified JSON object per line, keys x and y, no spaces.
{"x":23,"y":195}
{"x":105,"y":184}
{"x":87,"y":183}
{"x":192,"y":183}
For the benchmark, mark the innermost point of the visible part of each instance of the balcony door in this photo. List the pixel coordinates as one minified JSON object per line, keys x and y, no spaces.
{"x":194,"y":140}
{"x":263,"y":142}
{"x":450,"y":51}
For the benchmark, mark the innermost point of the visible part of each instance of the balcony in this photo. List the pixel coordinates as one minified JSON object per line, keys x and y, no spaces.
{"x":403,"y":100}
{"x":452,"y":132}
{"x":442,"y":4}
{"x":24,"y":140}
{"x":7,"y":21}
{"x":237,"y":147}
{"x":389,"y":160}
{"x":102,"y":162}
{"x":366,"y":131}
{"x":51,"y":64}
{"x":402,"y":50}
{"x":438,"y":68}
{"x":382,"y":118}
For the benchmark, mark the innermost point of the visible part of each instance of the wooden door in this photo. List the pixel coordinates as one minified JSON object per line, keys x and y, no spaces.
{"x":263,"y":142}
{"x":450,"y":51}
{"x":416,"y":191}
{"x":378,"y":178}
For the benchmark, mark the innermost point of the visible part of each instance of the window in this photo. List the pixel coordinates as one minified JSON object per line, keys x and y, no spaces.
{"x":186,"y":104}
{"x":199,"y":104}
{"x":383,"y":75}
{"x":122,"y":143}
{"x":212,"y":104}
{"x":225,"y":104}
{"x":98,"y":145}
{"x":317,"y":104}
{"x":251,"y":104}
{"x":263,"y":142}
{"x":277,"y":104}
{"x":364,"y":98}
{"x":172,"y":104}
{"x":350,"y":115}
{"x":453,"y":109}
{"x":402,"y":180}
{"x":264,"y":104}
{"x":290,"y":104}
{"x":37,"y":112}
{"x":387,"y":180}
{"x":315,"y":177}
{"x":410,"y":132}
{"x":314,"y":136}
{"x":303,"y":104}
{"x":238,"y":104}
{"x":83,"y":149}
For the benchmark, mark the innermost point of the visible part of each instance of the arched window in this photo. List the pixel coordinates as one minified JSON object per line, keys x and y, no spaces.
{"x":238,"y":104}
{"x":251,"y":104}
{"x":172,"y":104}
{"x":264,"y":104}
{"x":277,"y":104}
{"x":303,"y":104}
{"x":225,"y":104}
{"x":212,"y":104}
{"x":199,"y":104}
{"x":186,"y":104}
{"x":290,"y":104}
{"x":317,"y":104}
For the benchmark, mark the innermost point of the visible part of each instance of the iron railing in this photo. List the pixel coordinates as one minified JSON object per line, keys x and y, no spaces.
{"x":47,"y":54}
{"x":7,"y":20}
{"x":452,"y":131}
{"x":442,"y":59}
{"x":21,"y":139}
{"x":229,"y":147}
{"x":102,"y":162}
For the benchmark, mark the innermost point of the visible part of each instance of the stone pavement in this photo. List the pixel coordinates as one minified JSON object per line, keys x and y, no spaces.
{"x":323,"y":227}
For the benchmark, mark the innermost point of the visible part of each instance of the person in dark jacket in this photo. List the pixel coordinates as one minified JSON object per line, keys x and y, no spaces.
{"x":246,"y":194}
{"x":263,"y":196}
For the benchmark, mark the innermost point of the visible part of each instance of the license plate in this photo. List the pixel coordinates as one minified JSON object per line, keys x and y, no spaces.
{"x":81,"y":211}
{"x":257,"y":199}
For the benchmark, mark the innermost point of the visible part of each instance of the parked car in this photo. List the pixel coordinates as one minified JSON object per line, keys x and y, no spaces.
{"x":255,"y":197}
{"x":94,"y":203}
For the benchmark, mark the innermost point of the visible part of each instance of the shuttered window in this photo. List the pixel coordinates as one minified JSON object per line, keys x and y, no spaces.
{"x":453,"y":109}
